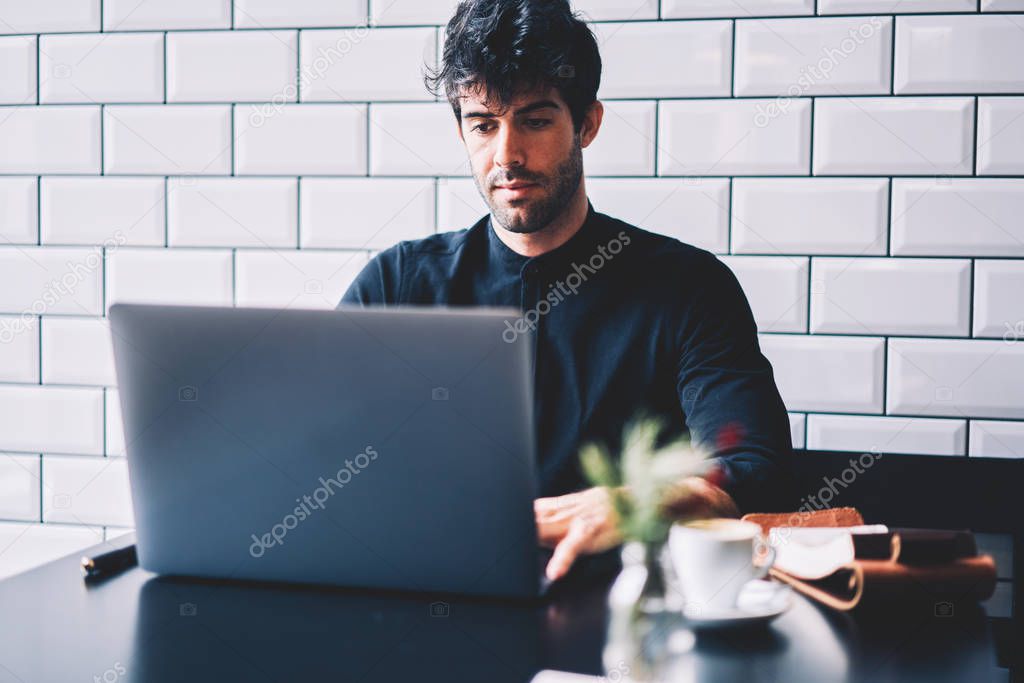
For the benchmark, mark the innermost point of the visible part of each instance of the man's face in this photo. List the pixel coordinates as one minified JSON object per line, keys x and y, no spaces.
{"x":526,"y":158}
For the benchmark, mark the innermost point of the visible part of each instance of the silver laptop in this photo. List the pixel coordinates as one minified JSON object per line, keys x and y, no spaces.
{"x":366,"y":447}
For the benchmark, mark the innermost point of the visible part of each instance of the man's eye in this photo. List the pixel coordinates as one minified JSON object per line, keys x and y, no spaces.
{"x":480,"y":128}
{"x":538,"y":123}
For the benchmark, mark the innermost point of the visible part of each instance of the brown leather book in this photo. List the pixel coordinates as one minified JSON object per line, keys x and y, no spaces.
{"x":890,"y":569}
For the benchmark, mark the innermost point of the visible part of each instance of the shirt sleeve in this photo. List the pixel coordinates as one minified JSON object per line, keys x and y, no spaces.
{"x":378,"y":282}
{"x":728,"y":394}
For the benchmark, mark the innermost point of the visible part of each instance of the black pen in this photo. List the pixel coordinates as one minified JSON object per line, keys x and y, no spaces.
{"x":110,"y":563}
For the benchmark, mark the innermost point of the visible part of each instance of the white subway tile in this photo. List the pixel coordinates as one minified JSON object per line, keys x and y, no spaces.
{"x":891,"y":296}
{"x":894,"y":6}
{"x":733,"y":137}
{"x":416,"y":139}
{"x":232,"y":212}
{"x":169,"y":276}
{"x":796,"y":57}
{"x":913,"y":435}
{"x":52,"y":419}
{"x":998,"y":296}
{"x":19,"y":204}
{"x":133,"y":15}
{"x":114,"y":426}
{"x":957,"y":217}
{"x":798,"y":429}
{"x":672,"y":9}
{"x":232,"y":66}
{"x":30,"y":545}
{"x":634,"y":57}
{"x":50,"y":280}
{"x":776,"y":288}
{"x":77,"y":351}
{"x":397,"y":12}
{"x":810,"y":216}
{"x":302,"y":279}
{"x":81,"y":490}
{"x":365,"y":213}
{"x":50,"y":139}
{"x":366,"y":64}
{"x":997,"y":439}
{"x":611,"y":10}
{"x":887,"y":135}
{"x":19,"y":349}
{"x":1001,"y":5}
{"x":956,"y":378}
{"x":1001,"y":135}
{"x":695,"y":211}
{"x":101,"y":67}
{"x":19,"y":487}
{"x":298,"y":13}
{"x":958,"y":54}
{"x":459,"y":203}
{"x":161,"y":140}
{"x":830,"y":374}
{"x":108,"y":211}
{"x":625,"y":143}
{"x":18,"y":70}
{"x":300,"y":139}
{"x":49,"y":16}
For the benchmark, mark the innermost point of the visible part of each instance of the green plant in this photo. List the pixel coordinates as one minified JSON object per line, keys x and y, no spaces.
{"x":645,"y":478}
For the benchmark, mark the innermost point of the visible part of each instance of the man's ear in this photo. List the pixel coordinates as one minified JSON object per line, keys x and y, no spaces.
{"x":591,"y":123}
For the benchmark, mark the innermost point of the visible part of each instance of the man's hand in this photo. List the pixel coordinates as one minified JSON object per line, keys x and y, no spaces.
{"x":577,"y":523}
{"x":585,"y":522}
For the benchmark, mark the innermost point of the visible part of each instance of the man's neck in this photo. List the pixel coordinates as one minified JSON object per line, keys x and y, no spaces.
{"x":552,"y":236}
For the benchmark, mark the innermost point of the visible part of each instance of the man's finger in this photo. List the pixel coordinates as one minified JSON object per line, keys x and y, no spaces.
{"x":569,"y":548}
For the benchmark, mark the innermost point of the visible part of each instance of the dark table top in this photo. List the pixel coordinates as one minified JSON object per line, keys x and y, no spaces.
{"x":139,"y":627}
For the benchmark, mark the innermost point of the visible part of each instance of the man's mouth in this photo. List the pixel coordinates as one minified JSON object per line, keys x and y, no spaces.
{"x":517,"y":189}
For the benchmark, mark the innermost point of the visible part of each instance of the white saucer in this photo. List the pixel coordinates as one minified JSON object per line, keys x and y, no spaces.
{"x":759,"y":602}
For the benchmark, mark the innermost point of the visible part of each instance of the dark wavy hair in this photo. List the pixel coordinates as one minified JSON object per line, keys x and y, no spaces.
{"x":507,"y":48}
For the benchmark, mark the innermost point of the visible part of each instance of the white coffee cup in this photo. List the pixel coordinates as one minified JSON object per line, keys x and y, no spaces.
{"x":714,"y":558}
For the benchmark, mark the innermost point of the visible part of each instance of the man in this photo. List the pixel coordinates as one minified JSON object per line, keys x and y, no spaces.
{"x":624,"y":319}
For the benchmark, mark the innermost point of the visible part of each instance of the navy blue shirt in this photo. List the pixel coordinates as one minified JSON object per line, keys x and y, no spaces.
{"x":624,"y":320}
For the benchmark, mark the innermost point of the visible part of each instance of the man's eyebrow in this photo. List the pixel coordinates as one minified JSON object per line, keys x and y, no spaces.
{"x":533,"y":106}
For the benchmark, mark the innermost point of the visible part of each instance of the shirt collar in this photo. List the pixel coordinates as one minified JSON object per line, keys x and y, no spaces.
{"x":580,"y":244}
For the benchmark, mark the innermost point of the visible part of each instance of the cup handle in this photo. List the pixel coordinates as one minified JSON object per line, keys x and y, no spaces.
{"x":762,"y":571}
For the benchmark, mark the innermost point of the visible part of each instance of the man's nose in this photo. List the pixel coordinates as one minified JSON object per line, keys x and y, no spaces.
{"x":509,"y":148}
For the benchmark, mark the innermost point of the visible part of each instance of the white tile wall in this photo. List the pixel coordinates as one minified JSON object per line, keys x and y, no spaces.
{"x":1001,"y":135}
{"x":858,"y":164}
{"x":17,"y":70}
{"x":19,"y":199}
{"x":796,"y":57}
{"x":922,"y":296}
{"x":232,"y":66}
{"x":693,"y":210}
{"x":990,"y":54}
{"x":998,"y":296}
{"x":887,"y":434}
{"x":958,"y":378}
{"x":99,"y":67}
{"x":657,"y":59}
{"x":105,"y":211}
{"x":366,"y":64}
{"x":958,"y":217}
{"x":902,"y":136}
{"x":733,"y":137}
{"x":232,"y":212}
{"x":810,"y":216}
